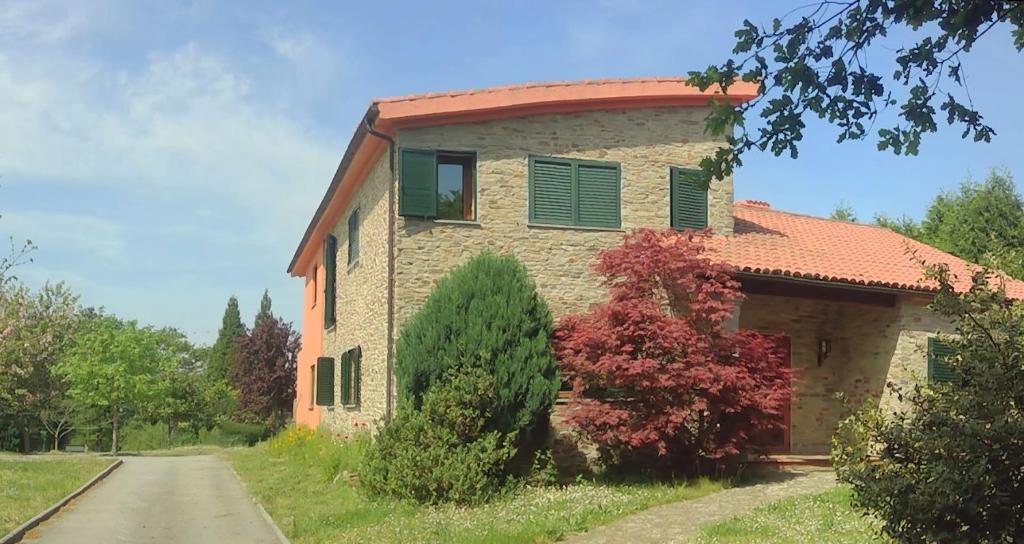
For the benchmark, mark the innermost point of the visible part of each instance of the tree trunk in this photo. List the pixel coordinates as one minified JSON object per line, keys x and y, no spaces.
{"x":24,"y":440}
{"x":113,"y":435}
{"x":56,"y":439}
{"x":169,"y":434}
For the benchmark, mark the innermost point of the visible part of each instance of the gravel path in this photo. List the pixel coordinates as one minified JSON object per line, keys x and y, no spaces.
{"x":679,"y":522}
{"x":161,"y":499}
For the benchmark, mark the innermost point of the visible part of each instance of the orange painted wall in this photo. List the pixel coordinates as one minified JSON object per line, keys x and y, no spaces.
{"x":306,"y":412}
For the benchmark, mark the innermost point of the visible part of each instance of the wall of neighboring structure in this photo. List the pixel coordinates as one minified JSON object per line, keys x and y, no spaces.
{"x":645,"y":142}
{"x":305,"y":411}
{"x":361,"y":303}
{"x":871,"y":345}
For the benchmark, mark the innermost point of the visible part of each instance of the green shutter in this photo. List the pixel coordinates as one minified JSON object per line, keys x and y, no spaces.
{"x":357,"y":375}
{"x":939,"y":369}
{"x":597,"y":190}
{"x":330,"y":276}
{"x":551,"y":191}
{"x":417,"y":187}
{"x":325,"y":381}
{"x":689,"y":200}
{"x":346,"y":378}
{"x":353,"y":236}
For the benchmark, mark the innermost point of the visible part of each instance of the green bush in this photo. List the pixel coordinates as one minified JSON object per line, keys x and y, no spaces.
{"x":951,"y":468}
{"x":443,"y":452}
{"x":485,"y":314}
{"x":244,"y":433}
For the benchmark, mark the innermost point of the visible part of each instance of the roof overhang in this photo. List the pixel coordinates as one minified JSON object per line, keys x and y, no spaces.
{"x":388,"y":115}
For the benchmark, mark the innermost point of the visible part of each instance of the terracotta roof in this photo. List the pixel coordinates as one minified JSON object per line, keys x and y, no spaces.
{"x":777,"y":243}
{"x":386,"y":115}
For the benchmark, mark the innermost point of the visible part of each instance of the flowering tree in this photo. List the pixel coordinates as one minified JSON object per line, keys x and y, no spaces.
{"x":35,"y":331}
{"x":264,"y":370}
{"x":657,"y":376}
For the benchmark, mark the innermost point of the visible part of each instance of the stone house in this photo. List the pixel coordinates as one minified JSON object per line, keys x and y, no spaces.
{"x":553,"y":172}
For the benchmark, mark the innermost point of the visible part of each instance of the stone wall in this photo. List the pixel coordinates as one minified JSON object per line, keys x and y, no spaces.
{"x":644,"y":142}
{"x":871,"y":345}
{"x":362,"y":303}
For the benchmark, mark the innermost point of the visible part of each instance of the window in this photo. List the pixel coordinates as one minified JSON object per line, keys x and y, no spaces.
{"x":437,"y":184}
{"x":574,"y":192}
{"x":351,"y":376}
{"x":330,"y":267}
{"x":939,"y":369}
{"x":353,"y":237}
{"x":688,"y":200}
{"x":325,"y":381}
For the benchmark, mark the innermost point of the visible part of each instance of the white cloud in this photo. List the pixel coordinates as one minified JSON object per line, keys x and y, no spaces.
{"x":295,"y":47}
{"x":41,"y":23}
{"x":187,"y":123}
{"x":63,"y":233}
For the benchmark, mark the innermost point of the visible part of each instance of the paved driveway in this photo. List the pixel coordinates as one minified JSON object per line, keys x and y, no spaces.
{"x":161,"y":499}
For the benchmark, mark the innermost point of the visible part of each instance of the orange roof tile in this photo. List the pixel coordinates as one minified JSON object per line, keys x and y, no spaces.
{"x":778,"y":243}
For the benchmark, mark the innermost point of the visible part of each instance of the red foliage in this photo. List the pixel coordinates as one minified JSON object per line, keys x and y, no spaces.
{"x":656,"y":375}
{"x":263,"y":370}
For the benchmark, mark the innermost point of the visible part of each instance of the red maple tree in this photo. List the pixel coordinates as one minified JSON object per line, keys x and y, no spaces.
{"x":263,"y":370}
{"x":659,"y":380}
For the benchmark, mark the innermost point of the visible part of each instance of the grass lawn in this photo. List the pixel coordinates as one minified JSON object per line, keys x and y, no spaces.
{"x":295,"y":484}
{"x":28,"y":485}
{"x":821,"y":517}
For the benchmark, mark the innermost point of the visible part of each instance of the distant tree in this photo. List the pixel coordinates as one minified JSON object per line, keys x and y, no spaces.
{"x":982,"y":222}
{"x":904,"y":225}
{"x":816,"y":64}
{"x":114,"y":369}
{"x":844,"y":212}
{"x":264,"y":306}
{"x":264,"y":371}
{"x":35,"y":331}
{"x":222,"y":354}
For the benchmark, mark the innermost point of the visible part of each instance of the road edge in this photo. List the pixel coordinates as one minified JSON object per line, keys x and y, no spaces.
{"x":281,"y":538}
{"x":19,"y":532}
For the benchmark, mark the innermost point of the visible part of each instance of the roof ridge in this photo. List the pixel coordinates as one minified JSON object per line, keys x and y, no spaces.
{"x":818,"y":217}
{"x":529,"y":85}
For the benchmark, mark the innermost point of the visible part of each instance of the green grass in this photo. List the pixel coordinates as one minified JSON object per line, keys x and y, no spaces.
{"x":820,"y":517}
{"x":30,"y":484}
{"x":303,"y":483}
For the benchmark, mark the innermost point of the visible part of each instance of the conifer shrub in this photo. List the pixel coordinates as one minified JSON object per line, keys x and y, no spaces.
{"x":443,"y":451}
{"x":485,"y":314}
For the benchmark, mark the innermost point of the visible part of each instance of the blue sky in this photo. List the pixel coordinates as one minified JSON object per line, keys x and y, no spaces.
{"x":165,"y":155}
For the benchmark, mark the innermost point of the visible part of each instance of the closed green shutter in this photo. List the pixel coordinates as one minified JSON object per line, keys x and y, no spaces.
{"x":357,"y":375}
{"x":330,"y":277}
{"x":551,"y":191}
{"x":353,"y":236}
{"x":324,"y":381}
{"x":689,"y":200}
{"x":346,"y":378}
{"x":597,"y":195}
{"x":417,"y":187}
{"x":939,"y":369}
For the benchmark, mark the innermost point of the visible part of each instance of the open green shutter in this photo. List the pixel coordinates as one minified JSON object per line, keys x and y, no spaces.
{"x":330,"y":278}
{"x":597,"y":190}
{"x":689,"y":200}
{"x":324,"y":381}
{"x":357,"y":375}
{"x":939,"y":369}
{"x":417,"y":186}
{"x":346,"y":378}
{"x":551,"y":191}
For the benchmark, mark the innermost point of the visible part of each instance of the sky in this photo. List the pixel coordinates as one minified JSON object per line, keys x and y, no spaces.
{"x":166,"y":155}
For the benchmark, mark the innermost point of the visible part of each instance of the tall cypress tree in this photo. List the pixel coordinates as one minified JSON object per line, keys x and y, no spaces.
{"x":223,"y":351}
{"x":264,"y":307}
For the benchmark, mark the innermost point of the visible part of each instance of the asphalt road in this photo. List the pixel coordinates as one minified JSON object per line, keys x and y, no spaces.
{"x":172,"y":500}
